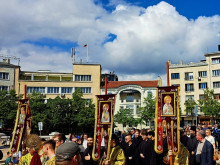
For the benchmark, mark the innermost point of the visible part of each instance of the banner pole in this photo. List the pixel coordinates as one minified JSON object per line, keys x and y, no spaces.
{"x":105,"y":85}
{"x":171,"y":159}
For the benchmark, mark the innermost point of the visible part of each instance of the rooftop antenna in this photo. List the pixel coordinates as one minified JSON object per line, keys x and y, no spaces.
{"x":73,"y":53}
{"x":10,"y":57}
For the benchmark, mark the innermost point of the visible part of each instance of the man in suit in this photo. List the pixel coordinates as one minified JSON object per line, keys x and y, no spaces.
{"x":204,"y":150}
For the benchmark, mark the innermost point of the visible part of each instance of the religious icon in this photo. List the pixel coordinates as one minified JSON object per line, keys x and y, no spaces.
{"x":105,"y":114}
{"x":167,"y":107}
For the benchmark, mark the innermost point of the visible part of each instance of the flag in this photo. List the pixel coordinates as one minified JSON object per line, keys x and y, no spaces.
{"x":85,"y":45}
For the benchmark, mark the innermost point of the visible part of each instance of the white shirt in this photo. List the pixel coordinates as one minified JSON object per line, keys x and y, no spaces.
{"x":210,"y":139}
{"x":84,"y":143}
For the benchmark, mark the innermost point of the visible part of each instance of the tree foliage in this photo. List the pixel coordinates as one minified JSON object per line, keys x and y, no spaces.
{"x":209,"y":105}
{"x":147,"y":112}
{"x":59,"y":114}
{"x":190,"y":106}
{"x":124,"y":117}
{"x":8,"y":108}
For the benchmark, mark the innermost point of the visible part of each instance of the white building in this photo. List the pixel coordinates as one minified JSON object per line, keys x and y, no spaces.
{"x":193,"y":78}
{"x":131,"y":94}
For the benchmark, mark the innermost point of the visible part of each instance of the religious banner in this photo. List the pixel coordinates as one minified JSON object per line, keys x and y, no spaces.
{"x":22,"y":126}
{"x":167,"y":118}
{"x":104,"y":116}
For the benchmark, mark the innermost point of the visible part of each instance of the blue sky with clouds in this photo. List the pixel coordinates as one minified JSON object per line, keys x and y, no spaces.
{"x":134,"y":38}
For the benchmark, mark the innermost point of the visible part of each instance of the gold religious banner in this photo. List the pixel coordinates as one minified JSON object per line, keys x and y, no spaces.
{"x":104,"y":116}
{"x":167,"y":118}
{"x":22,"y":126}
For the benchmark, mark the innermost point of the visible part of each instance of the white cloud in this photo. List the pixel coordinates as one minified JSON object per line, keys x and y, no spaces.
{"x":146,"y":37}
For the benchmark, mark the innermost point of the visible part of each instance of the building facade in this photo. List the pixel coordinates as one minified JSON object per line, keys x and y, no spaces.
{"x":87,"y":77}
{"x":7,"y":75}
{"x":130,"y":95}
{"x":193,"y":79}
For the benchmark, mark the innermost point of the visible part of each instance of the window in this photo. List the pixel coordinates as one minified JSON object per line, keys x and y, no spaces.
{"x":175,"y":75}
{"x":66,"y":90}
{"x":4,"y":76}
{"x":202,"y":85}
{"x":216,"y":73}
{"x":83,"y":77}
{"x":189,"y":97}
{"x":189,"y":76}
{"x":4,"y":88}
{"x":201,"y":97}
{"x":217,"y":96}
{"x":215,"y":60}
{"x":130,"y":97}
{"x":85,"y":89}
{"x":216,"y":84}
{"x":53,"y":90}
{"x":203,"y":74}
{"x":131,"y":107}
{"x":189,"y":87}
{"x":36,"y":89}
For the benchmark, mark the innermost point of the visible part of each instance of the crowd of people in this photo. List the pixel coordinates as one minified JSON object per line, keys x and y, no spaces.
{"x":198,"y":146}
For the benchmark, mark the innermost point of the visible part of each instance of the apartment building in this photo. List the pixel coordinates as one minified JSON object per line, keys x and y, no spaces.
{"x":87,"y":77}
{"x":131,"y":94}
{"x":193,"y":78}
{"x":7,"y":75}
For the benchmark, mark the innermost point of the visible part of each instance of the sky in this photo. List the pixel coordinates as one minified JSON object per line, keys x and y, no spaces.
{"x":133,"y":38}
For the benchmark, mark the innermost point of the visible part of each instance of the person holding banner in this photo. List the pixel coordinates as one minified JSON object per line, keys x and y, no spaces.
{"x":117,"y":156}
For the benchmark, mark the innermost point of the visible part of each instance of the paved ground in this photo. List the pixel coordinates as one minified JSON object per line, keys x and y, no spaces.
{"x":4,"y":149}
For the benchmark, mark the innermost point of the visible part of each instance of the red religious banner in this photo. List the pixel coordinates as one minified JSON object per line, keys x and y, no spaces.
{"x":104,"y":116}
{"x":22,"y":126}
{"x":167,"y":118}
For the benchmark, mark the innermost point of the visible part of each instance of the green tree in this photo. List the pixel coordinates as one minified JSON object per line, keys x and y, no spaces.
{"x":190,"y":106}
{"x":8,"y":108}
{"x":147,"y":113}
{"x":209,"y":105}
{"x":38,"y":110}
{"x":60,"y":114}
{"x":124,"y":117}
{"x":85,"y":118}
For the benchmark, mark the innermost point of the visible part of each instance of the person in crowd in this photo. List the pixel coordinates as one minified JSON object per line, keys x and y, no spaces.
{"x":59,"y":139}
{"x":87,"y":155}
{"x":182,"y":158}
{"x":129,"y":150}
{"x":217,"y":137}
{"x":146,"y":149}
{"x":117,"y":154}
{"x":123,"y":134}
{"x":132,"y":133}
{"x":183,"y":138}
{"x":84,"y":143}
{"x":205,"y":127}
{"x":192,"y":144}
{"x":210,"y":138}
{"x":136,"y":141}
{"x":160,"y":157}
{"x":33,"y":143}
{"x":204,"y":150}
{"x":49,"y":150}
{"x":151,"y":135}
{"x":68,"y":154}
{"x":74,"y":139}
{"x":8,"y":159}
{"x":69,"y":139}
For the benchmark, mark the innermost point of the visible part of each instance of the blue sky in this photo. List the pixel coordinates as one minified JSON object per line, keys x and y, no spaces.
{"x":132,"y":38}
